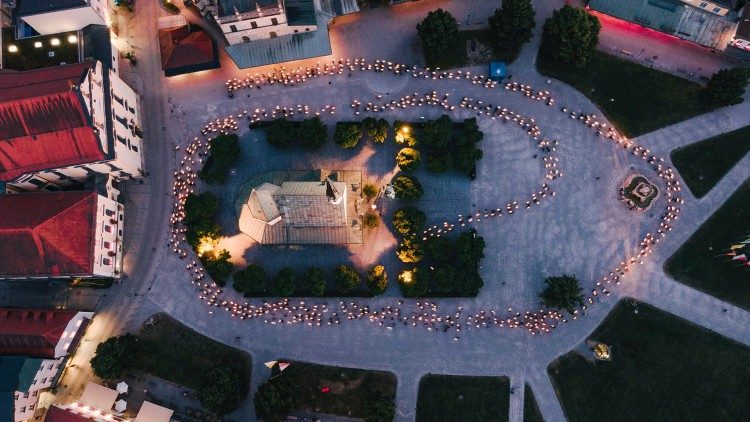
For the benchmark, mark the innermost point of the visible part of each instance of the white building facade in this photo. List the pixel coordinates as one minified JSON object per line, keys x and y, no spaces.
{"x":52,"y":17}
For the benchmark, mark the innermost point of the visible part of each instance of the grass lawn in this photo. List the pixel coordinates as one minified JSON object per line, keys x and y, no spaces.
{"x":458,"y":398}
{"x":704,"y":163}
{"x":174,"y":352}
{"x":531,"y":411}
{"x":696,"y":262}
{"x":644,"y":99}
{"x":349,"y":388}
{"x":663,"y":368}
{"x":30,"y":57}
{"x":456,"y":55}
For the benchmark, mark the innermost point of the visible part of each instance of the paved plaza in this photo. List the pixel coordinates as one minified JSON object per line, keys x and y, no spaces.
{"x":584,"y":230}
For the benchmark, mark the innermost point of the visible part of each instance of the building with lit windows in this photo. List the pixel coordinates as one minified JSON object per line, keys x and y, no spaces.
{"x":34,"y":347}
{"x":50,"y":17}
{"x":75,"y":234}
{"x":61,"y":125}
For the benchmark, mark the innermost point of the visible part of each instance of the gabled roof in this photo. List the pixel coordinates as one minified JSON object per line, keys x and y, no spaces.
{"x":56,"y":414}
{"x":185,"y":50}
{"x":47,"y":234}
{"x":34,"y":7}
{"x":32,"y":332}
{"x":43,"y":122}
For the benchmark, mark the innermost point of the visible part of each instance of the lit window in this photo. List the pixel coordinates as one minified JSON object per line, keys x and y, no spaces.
{"x":37,"y":44}
{"x":72,"y":39}
{"x":12,"y":48}
{"x":55,"y":41}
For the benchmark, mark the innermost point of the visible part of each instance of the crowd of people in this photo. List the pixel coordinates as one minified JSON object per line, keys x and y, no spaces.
{"x":422,"y":314}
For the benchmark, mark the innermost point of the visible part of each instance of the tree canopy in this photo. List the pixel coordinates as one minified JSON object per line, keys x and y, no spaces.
{"x":562,"y":292}
{"x":726,"y":87}
{"x":200,"y":207}
{"x":114,"y":356}
{"x":218,"y":266}
{"x":250,"y":280}
{"x":377,"y":279}
{"x":224,"y":151}
{"x":512,"y":25}
{"x":347,"y":279}
{"x":409,"y":221}
{"x":413,"y":283}
{"x":437,"y":31}
{"x":222,"y":390}
{"x":408,"y":159}
{"x":271,"y":402}
{"x":314,"y":281}
{"x":570,"y":36}
{"x":406,"y":187}
{"x":347,"y":135}
{"x":312,"y":133}
{"x":410,"y":250}
{"x":284,"y":283}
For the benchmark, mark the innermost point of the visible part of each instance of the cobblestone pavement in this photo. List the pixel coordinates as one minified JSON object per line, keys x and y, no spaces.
{"x":585,"y":222}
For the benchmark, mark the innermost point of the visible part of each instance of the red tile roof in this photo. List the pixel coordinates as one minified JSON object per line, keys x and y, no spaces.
{"x":43,"y":124}
{"x":181,"y":48}
{"x":32,"y":332}
{"x":47,"y":234}
{"x":55,"y":414}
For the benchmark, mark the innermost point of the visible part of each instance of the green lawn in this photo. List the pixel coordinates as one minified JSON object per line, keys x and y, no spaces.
{"x":349,"y":388}
{"x":704,"y":163}
{"x":174,"y":352}
{"x":644,"y":99}
{"x":531,"y":411}
{"x":698,"y":262}
{"x":465,"y":399}
{"x":456,"y":55}
{"x":663,"y":369}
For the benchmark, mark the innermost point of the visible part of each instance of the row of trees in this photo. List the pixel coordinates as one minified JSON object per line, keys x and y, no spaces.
{"x":348,"y":134}
{"x":203,"y":235}
{"x":224,"y":152}
{"x":254,"y":281}
{"x":309,"y":133}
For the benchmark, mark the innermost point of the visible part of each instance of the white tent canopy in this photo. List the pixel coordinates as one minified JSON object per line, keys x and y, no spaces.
{"x":121,"y":405}
{"x":122,"y":387}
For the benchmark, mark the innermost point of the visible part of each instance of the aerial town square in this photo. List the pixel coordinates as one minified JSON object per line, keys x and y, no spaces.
{"x":374,"y":210}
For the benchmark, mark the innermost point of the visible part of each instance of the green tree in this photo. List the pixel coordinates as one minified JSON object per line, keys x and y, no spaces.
{"x":468,"y":282}
{"x":370,"y":191}
{"x":378,"y":407}
{"x":200,"y":207}
{"x":224,"y":151}
{"x":409,"y":221}
{"x":369,"y":126}
{"x":726,"y":87}
{"x":314,"y":281}
{"x":440,"y":249}
{"x":250,"y":280}
{"x":445,"y":278}
{"x":218,"y":266}
{"x":381,"y":131}
{"x":203,"y":232}
{"x":222,"y":389}
{"x":467,"y":154}
{"x":312,"y":133}
{"x":436,"y":134}
{"x":562,"y":292}
{"x":347,"y":135}
{"x":114,"y":356}
{"x":377,"y":279}
{"x":371,"y":219}
{"x":437,"y":31}
{"x":439,"y":161}
{"x":284,"y":283}
{"x":347,"y":279}
{"x":410,"y":250}
{"x":406,"y":187}
{"x":408,"y":159}
{"x":281,"y":133}
{"x":570,"y":36}
{"x":272,"y":403}
{"x":512,"y":25}
{"x":470,"y":249}
{"x":413,"y":283}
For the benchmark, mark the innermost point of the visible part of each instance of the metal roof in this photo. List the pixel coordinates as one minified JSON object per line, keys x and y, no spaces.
{"x":300,"y":12}
{"x":35,"y":7}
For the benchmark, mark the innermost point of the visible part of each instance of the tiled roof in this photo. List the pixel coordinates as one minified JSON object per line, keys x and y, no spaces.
{"x":56,"y":414}
{"x":43,"y":124}
{"x":47,"y":234}
{"x":32,"y":332}
{"x":181,"y":48}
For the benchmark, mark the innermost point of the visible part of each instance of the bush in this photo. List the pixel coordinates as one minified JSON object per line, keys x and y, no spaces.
{"x":222,"y":390}
{"x":371,"y":219}
{"x":347,"y":135}
{"x":570,"y":36}
{"x":511,"y":26}
{"x":281,"y":133}
{"x":408,"y":159}
{"x":271,"y":402}
{"x":410,"y":250}
{"x":726,"y":87}
{"x":370,"y":191}
{"x":437,"y":31}
{"x":224,"y":152}
{"x":284,"y":283}
{"x":218,"y":266}
{"x":413,"y":283}
{"x":409,"y":221}
{"x":445,"y":278}
{"x":562,"y":292}
{"x":312,"y":133}
{"x":250,"y":280}
{"x":407,"y":188}
{"x":314,"y":281}
{"x":377,"y":279}
{"x":114,"y":356}
{"x":347,"y":279}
